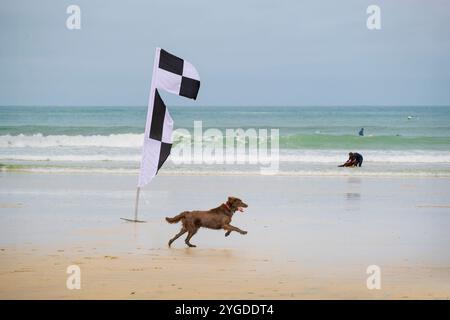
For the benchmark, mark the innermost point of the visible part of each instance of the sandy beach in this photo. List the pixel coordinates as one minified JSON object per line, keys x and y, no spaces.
{"x":308,"y":237}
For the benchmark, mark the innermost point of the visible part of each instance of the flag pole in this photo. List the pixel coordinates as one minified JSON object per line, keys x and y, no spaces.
{"x":136,"y":207}
{"x":136,"y":204}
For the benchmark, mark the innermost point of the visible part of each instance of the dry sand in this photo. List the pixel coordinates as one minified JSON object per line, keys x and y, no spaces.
{"x":203,"y":274}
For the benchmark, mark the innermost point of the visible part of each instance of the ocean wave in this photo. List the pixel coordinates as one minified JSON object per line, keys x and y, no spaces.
{"x":128,"y":140}
{"x":127,"y":148}
{"x":296,"y":141}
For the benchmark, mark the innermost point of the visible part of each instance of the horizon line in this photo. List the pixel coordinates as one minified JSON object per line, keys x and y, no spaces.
{"x":228,"y":106}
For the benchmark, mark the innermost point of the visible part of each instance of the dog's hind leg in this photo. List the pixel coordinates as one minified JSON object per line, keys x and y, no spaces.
{"x":179,"y":234}
{"x":190,"y":235}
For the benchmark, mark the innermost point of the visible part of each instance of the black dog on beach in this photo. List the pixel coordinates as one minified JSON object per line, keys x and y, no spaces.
{"x":217,"y":218}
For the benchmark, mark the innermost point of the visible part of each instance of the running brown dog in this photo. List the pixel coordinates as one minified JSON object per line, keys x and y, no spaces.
{"x":217,"y":218}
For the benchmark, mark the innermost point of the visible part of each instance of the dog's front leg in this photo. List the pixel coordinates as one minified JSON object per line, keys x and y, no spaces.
{"x":230,"y":228}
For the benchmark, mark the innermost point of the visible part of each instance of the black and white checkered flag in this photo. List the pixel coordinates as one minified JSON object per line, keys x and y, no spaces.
{"x":174,"y":75}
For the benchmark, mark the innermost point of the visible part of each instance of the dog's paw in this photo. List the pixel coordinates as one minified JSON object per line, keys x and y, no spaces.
{"x":227,"y":233}
{"x":244,"y":232}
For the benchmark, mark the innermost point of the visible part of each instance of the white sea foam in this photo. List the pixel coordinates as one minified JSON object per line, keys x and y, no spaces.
{"x":73,"y":157}
{"x":288,"y":173}
{"x":303,"y":157}
{"x":127,"y":140}
{"x":379,"y":156}
{"x":126,"y":148}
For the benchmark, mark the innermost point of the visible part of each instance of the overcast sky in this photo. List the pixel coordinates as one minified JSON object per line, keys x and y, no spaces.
{"x":247,"y":52}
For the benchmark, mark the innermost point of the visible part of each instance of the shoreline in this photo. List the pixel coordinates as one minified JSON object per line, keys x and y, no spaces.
{"x":341,"y":172}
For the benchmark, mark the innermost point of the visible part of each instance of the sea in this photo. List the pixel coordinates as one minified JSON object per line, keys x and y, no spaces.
{"x":405,"y":141}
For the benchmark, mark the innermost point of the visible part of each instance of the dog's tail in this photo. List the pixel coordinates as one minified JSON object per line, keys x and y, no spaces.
{"x":176,"y":218}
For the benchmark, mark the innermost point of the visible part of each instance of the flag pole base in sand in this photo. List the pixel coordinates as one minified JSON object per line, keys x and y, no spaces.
{"x":138,"y":190}
{"x":132,"y":220}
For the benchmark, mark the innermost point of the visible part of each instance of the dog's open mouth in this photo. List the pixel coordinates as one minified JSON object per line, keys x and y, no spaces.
{"x":241,"y":209}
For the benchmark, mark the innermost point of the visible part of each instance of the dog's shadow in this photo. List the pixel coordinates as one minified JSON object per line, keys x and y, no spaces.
{"x":203,"y":252}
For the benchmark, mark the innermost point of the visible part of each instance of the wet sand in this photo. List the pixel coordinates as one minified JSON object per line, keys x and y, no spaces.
{"x":309,"y":238}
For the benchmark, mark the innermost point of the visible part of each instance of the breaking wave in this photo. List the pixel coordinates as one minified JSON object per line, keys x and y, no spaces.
{"x":294,"y":142}
{"x":128,"y":140}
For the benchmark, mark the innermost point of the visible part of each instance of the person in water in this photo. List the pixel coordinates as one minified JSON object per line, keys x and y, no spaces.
{"x":361,"y":132}
{"x":354,"y":160}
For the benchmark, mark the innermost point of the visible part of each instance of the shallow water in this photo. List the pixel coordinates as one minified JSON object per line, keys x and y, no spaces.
{"x":338,"y":219}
